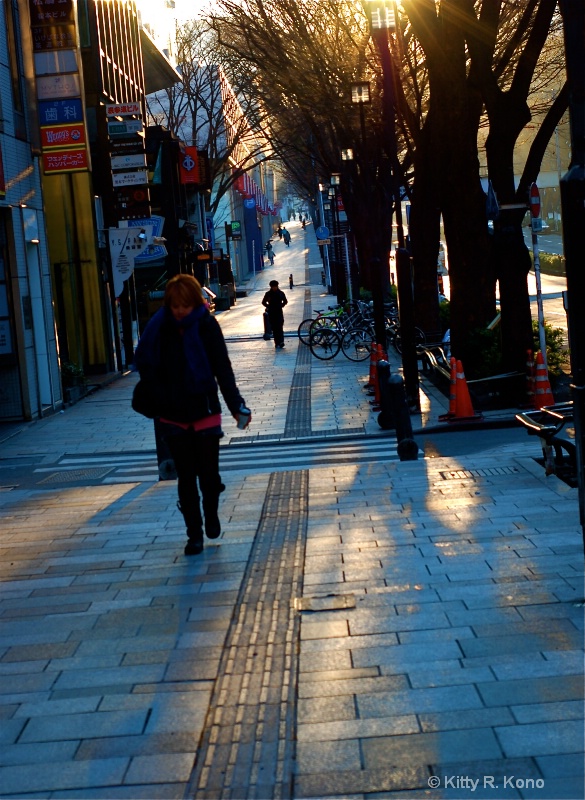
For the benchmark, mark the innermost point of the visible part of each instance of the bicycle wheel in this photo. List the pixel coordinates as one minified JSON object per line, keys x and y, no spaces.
{"x":419,"y":339}
{"x":304,"y":330}
{"x":325,"y":344}
{"x":356,"y":344}
{"x":324,"y":321}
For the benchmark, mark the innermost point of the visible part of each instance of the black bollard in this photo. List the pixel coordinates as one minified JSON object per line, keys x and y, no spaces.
{"x":267,"y":326}
{"x":386,"y":415}
{"x":407,"y":448}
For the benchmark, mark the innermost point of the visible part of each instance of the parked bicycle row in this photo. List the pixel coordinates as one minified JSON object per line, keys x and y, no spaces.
{"x":350,"y":328}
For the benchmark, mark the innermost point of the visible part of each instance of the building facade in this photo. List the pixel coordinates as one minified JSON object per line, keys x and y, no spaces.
{"x":30,"y":384}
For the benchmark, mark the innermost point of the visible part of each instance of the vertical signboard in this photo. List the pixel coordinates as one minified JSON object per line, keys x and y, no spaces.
{"x":58,"y":84}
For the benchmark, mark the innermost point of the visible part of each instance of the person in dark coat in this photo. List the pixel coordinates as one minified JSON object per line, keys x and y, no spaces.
{"x":182,"y":357}
{"x":286,"y":237}
{"x":274,"y":301}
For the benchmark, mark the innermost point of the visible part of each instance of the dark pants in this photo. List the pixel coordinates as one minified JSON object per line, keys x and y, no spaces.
{"x":196,"y":457}
{"x":277,"y":324}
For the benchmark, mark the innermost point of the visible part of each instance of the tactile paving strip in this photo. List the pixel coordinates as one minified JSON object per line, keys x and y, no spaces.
{"x":247,"y":747}
{"x":298,"y":413}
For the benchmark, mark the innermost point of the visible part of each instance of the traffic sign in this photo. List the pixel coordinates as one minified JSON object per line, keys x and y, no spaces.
{"x":322,"y":232}
{"x":323,"y":241}
{"x":536,"y":224}
{"x":534,"y":200}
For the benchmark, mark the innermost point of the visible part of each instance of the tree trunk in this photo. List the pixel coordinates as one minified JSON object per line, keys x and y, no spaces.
{"x":424,"y":228}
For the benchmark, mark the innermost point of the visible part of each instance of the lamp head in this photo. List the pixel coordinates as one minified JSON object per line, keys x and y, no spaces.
{"x":360,"y":92}
{"x":382,"y":14}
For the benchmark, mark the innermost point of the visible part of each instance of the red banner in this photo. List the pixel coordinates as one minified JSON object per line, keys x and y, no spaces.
{"x":65,"y":161}
{"x":189,"y":164}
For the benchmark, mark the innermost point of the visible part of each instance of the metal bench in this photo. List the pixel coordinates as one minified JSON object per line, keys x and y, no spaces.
{"x":555,"y":428}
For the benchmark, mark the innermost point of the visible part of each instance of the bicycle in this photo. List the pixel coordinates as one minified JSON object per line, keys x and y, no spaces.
{"x":325,"y":343}
{"x":304,"y":329}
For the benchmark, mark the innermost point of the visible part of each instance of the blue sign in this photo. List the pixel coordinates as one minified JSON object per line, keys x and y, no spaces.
{"x":322,"y":232}
{"x":60,"y":112}
{"x":154,"y":251}
{"x":249,"y":202}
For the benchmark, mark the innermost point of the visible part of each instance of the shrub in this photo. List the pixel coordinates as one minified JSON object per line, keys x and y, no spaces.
{"x":550,"y":263}
{"x":487,"y":347}
{"x":445,"y":315}
{"x":71,"y":374}
{"x":556,"y":353}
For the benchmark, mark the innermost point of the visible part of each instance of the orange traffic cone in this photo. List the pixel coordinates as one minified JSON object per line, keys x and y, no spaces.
{"x":452,"y":393}
{"x":373,"y":362}
{"x":543,"y":395}
{"x":464,"y":407}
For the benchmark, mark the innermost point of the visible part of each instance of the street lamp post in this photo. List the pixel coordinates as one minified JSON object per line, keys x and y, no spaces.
{"x":322,"y":209}
{"x":382,"y":21}
{"x":361,"y":96}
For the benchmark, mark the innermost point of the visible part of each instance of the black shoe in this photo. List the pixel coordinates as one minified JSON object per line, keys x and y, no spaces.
{"x":193,"y":547}
{"x":281,"y":345}
{"x":212,"y":526}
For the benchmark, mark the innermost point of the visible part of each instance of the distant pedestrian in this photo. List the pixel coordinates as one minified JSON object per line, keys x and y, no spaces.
{"x":291,"y":283}
{"x":181,"y":358}
{"x":303,"y":224}
{"x":286,"y":237}
{"x":279,"y":231}
{"x":270,"y":252}
{"x":274,"y":301}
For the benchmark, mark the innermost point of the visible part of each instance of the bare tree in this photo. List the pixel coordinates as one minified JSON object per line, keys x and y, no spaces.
{"x":206,"y":111}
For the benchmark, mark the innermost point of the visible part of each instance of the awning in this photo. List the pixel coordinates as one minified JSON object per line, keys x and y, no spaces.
{"x":159,"y":73}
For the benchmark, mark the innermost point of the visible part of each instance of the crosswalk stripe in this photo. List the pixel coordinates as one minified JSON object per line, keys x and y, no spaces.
{"x":245,"y":457}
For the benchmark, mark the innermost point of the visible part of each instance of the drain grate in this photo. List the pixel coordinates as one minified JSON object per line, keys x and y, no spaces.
{"x":471,"y":474}
{"x":92,"y":473}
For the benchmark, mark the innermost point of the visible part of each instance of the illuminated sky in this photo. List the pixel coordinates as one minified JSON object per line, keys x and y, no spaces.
{"x":190,"y":9}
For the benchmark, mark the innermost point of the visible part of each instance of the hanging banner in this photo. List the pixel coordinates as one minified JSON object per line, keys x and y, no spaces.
{"x":189,"y":165}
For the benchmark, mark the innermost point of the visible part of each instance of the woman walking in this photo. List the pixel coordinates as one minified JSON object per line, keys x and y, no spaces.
{"x":181,"y":357}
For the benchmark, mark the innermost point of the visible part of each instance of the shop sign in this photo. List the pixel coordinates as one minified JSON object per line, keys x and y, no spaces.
{"x":129,"y":161}
{"x":47,"y":12}
{"x":54,"y":86}
{"x":123,"y":109}
{"x":59,"y":112}
{"x":53,"y":37}
{"x":63,"y":136}
{"x":130,"y":178}
{"x":74,"y":160}
{"x":128,"y":128}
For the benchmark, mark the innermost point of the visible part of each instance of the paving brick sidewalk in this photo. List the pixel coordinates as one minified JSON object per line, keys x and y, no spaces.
{"x":380,"y":630}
